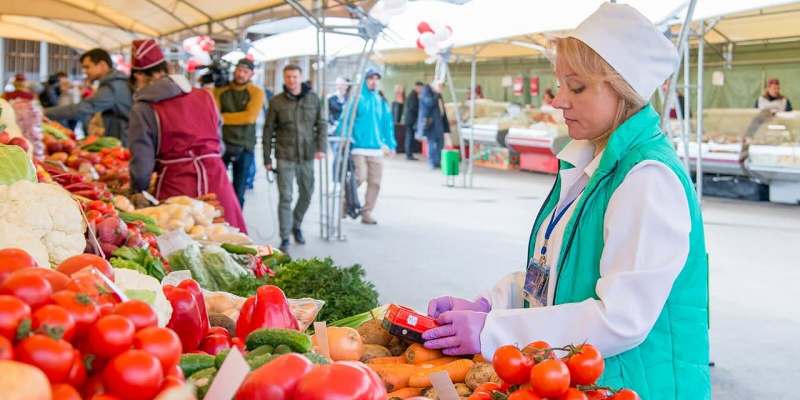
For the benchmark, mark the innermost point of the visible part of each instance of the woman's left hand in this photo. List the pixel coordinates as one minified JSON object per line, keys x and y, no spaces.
{"x":459,"y":333}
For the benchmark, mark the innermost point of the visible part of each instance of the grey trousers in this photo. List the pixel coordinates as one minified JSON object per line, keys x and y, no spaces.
{"x":288,"y":172}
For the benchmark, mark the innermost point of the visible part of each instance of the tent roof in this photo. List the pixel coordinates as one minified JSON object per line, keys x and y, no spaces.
{"x":114,"y":23}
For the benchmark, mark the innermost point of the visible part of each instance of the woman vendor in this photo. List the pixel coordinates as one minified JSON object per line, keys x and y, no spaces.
{"x":174,"y":131}
{"x":617,"y":253}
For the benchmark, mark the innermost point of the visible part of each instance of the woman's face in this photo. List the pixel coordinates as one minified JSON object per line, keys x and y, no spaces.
{"x":589,"y":107}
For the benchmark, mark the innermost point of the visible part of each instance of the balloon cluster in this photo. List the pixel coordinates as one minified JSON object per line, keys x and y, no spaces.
{"x":199,"y":49}
{"x":122,"y":63}
{"x":434,"y":39}
{"x":384,"y":10}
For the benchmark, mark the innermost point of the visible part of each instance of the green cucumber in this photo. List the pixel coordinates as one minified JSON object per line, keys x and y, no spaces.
{"x":297,"y":341}
{"x":191,"y":363}
{"x":260,"y":351}
{"x":238,"y":249}
{"x":258,"y":361}
{"x":220,"y":358}
{"x":202,"y":380}
{"x":283,"y":349}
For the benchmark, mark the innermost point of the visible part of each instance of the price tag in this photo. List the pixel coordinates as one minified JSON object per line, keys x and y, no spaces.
{"x":149,"y":197}
{"x":231,"y":374}
{"x":444,"y":386}
{"x":321,"y":329}
{"x":116,"y":289}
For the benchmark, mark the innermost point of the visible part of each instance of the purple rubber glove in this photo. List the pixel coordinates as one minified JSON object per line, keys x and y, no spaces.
{"x":444,"y":304}
{"x":459,"y":333}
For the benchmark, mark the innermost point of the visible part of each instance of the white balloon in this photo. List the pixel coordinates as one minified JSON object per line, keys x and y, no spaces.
{"x":395,"y":7}
{"x":427,"y":39}
{"x":442,"y":35}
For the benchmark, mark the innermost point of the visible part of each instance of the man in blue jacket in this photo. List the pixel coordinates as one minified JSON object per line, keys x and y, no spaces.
{"x":432,"y":122}
{"x":372,"y":139}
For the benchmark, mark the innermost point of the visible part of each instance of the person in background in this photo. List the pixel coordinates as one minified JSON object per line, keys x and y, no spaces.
{"x":296,"y":123}
{"x":432,"y":122}
{"x":21,"y":90}
{"x":113,"y":98}
{"x":174,"y":132}
{"x":411,"y":116}
{"x":240,"y":103}
{"x":373,"y":138}
{"x":398,"y":104}
{"x":479,"y":92}
{"x":772,"y":99}
{"x":337,"y":100}
{"x":49,"y":95}
{"x":67,"y":95}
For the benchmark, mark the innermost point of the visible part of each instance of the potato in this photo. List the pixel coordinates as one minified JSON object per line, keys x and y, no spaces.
{"x":373,"y":333}
{"x":462,"y":390}
{"x":397,"y":346}
{"x":374,"y":351}
{"x":479,"y":374}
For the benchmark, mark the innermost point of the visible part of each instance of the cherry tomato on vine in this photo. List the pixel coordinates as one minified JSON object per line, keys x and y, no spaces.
{"x":12,"y":312}
{"x":80,"y":305}
{"x":550,"y":378}
{"x":53,"y":319}
{"x":524,"y":394}
{"x":625,"y":394}
{"x":573,"y":394}
{"x":586,"y":366}
{"x":480,"y":396}
{"x":599,"y":394}
{"x":53,"y":357}
{"x":511,"y":365}
{"x":488,"y":387}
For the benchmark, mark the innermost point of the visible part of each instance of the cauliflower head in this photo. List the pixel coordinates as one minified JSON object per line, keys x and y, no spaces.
{"x":42,"y":219}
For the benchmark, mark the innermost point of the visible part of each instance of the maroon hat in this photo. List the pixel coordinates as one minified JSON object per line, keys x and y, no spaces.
{"x":146,"y":54}
{"x":773,"y":81}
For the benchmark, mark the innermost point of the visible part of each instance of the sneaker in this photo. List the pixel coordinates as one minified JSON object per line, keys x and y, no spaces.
{"x":298,"y":236}
{"x":412,"y":158}
{"x":284,"y":248}
{"x":368,"y":220}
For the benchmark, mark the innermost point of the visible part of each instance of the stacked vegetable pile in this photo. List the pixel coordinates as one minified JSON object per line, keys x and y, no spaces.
{"x":75,"y":330}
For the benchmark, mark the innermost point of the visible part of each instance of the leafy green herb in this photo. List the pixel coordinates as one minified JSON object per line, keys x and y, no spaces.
{"x":139,"y":260}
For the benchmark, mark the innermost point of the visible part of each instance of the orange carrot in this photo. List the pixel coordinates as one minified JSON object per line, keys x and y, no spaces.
{"x":457,"y":370}
{"x":387,"y":360}
{"x":438,"y":362}
{"x":418,"y":354}
{"x":394,"y":376}
{"x":405,"y":393}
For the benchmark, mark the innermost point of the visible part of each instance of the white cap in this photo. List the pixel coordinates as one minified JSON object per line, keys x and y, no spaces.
{"x":342,"y":81}
{"x":631,"y":44}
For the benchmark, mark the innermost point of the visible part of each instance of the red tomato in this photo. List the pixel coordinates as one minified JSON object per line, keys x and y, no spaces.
{"x":81,"y":261}
{"x":6,"y":349}
{"x":585,"y":367}
{"x":80,"y":305}
{"x":539,"y":350}
{"x":480,"y":396}
{"x":278,"y":379}
{"x":14,"y":259}
{"x":134,"y":375}
{"x":488,"y":387}
{"x":550,"y":378}
{"x":170,"y":382}
{"x":625,"y":394}
{"x":54,"y":319}
{"x":12,"y":312}
{"x":139,"y":312}
{"x":94,"y":387}
{"x":62,"y":391}
{"x":161,"y":342}
{"x":599,"y":394}
{"x":573,"y":394}
{"x":33,"y":290}
{"x":57,"y":280}
{"x":213,"y":344}
{"x":105,"y":396}
{"x":94,"y":216}
{"x":111,"y":335}
{"x":511,"y":365}
{"x":77,"y":373}
{"x":218,"y":330}
{"x":336,"y":381}
{"x":524,"y":394}
{"x":176,"y":372}
{"x":53,"y":357}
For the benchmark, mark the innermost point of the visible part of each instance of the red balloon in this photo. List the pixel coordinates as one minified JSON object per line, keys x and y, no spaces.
{"x":424,"y":27}
{"x":419,"y":45}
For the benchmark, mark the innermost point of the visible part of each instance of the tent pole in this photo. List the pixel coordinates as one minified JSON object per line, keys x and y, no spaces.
{"x":452,"y":88}
{"x":699,"y":116}
{"x":683,"y":41}
{"x":321,"y":91}
{"x":472,"y":85}
{"x":687,"y":122}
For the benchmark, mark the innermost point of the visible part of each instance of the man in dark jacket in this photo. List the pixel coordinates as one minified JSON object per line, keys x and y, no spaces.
{"x":410,"y":119}
{"x":433,"y":122}
{"x":295,"y":120}
{"x":113,"y":98}
{"x":240,"y":103}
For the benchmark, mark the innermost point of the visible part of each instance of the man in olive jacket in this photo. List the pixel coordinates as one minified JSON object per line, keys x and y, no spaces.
{"x":295,"y":120}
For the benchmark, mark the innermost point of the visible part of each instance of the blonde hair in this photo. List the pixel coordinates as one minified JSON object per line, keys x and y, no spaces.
{"x":580,"y":58}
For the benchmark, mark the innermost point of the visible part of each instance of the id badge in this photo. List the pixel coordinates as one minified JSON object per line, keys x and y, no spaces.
{"x":537,"y":278}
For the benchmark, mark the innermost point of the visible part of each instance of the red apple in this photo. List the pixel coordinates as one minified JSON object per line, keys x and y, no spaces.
{"x":21,"y":142}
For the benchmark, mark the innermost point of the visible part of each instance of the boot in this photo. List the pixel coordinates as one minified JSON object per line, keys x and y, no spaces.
{"x":284,"y":246}
{"x":298,"y":236}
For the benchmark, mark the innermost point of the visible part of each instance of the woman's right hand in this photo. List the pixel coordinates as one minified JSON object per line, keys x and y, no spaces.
{"x":444,"y":304}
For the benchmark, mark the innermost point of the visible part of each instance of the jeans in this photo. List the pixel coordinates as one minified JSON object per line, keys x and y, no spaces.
{"x":288,"y":172}
{"x":242,"y":160}
{"x":251,"y":176}
{"x":435,"y":145}
{"x":409,"y":141}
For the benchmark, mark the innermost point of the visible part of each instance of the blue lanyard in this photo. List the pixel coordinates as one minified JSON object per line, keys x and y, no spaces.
{"x":554,"y":219}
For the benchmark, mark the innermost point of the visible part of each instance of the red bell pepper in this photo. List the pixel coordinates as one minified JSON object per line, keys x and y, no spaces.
{"x":194,"y":288}
{"x":267,"y":309}
{"x":186,"y":319}
{"x":276,"y":380}
{"x":214,"y":344}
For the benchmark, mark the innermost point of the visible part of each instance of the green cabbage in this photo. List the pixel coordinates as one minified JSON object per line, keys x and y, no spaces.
{"x":15,"y":165}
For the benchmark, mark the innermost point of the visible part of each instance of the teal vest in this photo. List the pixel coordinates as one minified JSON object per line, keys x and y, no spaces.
{"x":672,"y":362}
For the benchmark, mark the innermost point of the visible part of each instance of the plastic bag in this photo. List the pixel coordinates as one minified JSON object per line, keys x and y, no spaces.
{"x":190,"y":258}
{"x":222,"y":268}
